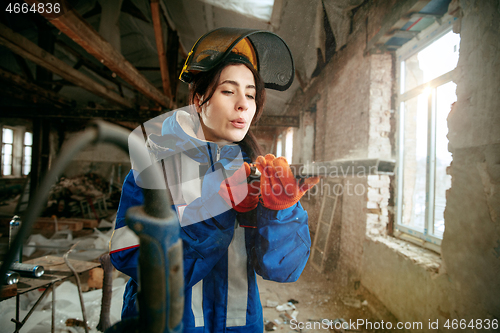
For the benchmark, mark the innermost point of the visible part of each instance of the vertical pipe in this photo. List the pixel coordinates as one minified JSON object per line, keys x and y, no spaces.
{"x":52,"y":326}
{"x":18,"y":323}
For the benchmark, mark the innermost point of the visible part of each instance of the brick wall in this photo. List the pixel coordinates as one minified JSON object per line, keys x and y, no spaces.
{"x":352,"y":98}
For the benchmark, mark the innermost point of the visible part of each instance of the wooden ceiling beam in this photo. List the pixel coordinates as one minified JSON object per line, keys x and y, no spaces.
{"x":278,"y":121}
{"x":76,"y":28}
{"x":34,"y":89}
{"x":173,"y":59}
{"x":101,"y":71}
{"x":27,"y":49}
{"x":132,"y":115}
{"x":160,"y":46}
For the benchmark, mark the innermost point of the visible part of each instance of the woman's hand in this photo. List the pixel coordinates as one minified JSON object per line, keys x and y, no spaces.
{"x":279,"y":188}
{"x":238,"y":193}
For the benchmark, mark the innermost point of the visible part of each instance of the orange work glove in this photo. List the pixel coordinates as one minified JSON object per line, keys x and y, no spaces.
{"x":279,"y":188}
{"x":238,"y":193}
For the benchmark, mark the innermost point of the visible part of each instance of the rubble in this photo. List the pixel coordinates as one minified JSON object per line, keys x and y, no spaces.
{"x":84,"y":196}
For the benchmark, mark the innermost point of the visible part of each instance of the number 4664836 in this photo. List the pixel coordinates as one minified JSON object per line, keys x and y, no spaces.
{"x":472,"y":324}
{"x":40,"y":8}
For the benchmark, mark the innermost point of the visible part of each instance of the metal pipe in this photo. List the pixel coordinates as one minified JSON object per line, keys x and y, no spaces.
{"x":79,"y":286}
{"x":52,"y":326}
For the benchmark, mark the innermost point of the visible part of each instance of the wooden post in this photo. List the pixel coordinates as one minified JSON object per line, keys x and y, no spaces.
{"x":160,"y":46}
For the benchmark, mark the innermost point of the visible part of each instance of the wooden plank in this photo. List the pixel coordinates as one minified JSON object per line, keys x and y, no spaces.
{"x":160,"y":46}
{"x":87,"y":223}
{"x":172,"y":60}
{"x":55,"y":270}
{"x":100,"y":70}
{"x":76,"y":28}
{"x":25,"y":48}
{"x":61,"y":225}
{"x":20,"y":94}
{"x":7,"y":291}
{"x":395,"y":20}
{"x":34,"y":89}
{"x":278,"y":121}
{"x":82,"y":114}
{"x":57,"y":264}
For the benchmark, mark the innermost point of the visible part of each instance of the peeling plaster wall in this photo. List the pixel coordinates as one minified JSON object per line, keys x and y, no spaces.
{"x":462,"y":283}
{"x":351,"y":99}
{"x":353,"y":118}
{"x":471,"y":244}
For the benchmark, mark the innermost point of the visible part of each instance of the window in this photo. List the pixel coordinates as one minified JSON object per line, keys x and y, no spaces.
{"x":17,"y":147}
{"x":28,"y":143}
{"x":289,"y":145}
{"x":284,"y":144}
{"x":7,"y":151}
{"x":426,"y":93}
{"x":279,"y":146}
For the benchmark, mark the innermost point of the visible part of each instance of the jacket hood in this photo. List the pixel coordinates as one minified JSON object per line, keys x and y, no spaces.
{"x":178,"y":135}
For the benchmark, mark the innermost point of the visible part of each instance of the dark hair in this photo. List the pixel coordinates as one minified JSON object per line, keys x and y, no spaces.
{"x":205,"y":84}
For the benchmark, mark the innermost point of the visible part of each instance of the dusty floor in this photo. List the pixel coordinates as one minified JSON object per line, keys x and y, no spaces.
{"x":317,"y":301}
{"x":318,"y":308}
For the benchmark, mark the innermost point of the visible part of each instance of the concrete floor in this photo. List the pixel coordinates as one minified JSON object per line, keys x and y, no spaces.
{"x":317,"y":300}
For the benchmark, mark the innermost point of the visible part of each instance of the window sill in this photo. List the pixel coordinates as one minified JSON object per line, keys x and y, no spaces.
{"x":429,"y":260}
{"x":13,"y":177}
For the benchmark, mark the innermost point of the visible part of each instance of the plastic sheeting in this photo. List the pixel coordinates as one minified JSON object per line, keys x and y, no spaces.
{"x":89,"y":247}
{"x":67,"y":307}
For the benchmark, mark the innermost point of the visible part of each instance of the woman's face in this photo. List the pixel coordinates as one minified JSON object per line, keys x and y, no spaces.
{"x":226,"y":117}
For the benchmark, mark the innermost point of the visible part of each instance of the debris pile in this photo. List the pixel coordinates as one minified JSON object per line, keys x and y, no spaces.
{"x":288,"y":312}
{"x":287,"y":320}
{"x":87,"y":196}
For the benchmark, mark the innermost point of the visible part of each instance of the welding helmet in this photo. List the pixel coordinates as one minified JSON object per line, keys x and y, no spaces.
{"x":264,"y":50}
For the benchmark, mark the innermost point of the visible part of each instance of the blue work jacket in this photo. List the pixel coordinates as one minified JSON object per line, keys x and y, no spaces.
{"x":223,"y":250}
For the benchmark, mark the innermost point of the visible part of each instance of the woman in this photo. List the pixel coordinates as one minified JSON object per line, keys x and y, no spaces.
{"x":231,"y":230}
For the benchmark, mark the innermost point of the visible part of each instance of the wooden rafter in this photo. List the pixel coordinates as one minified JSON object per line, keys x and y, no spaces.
{"x":160,"y":46}
{"x":99,"y":70}
{"x":131,"y":115}
{"x":278,"y":121}
{"x":173,"y":58}
{"x":34,"y":89}
{"x":76,"y":28}
{"x":27,"y":49}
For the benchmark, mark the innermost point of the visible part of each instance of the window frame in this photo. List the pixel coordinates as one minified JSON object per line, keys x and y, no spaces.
{"x":426,"y":238}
